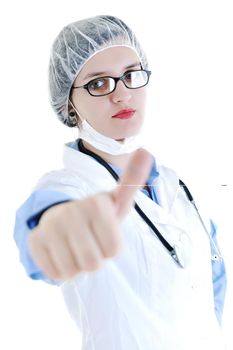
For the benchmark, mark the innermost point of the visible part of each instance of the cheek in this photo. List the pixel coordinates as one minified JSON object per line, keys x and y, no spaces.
{"x":96,"y":113}
{"x":139,"y":99}
{"x":87,"y":107}
{"x":142,"y":98}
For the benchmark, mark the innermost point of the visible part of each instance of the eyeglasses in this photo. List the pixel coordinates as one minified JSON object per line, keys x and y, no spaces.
{"x":102,"y":86}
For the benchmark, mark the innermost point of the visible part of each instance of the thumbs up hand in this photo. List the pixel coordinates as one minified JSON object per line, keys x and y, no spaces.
{"x":77,"y":236}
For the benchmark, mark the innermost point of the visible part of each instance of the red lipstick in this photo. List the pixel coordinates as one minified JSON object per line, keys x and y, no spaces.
{"x":125,"y":113}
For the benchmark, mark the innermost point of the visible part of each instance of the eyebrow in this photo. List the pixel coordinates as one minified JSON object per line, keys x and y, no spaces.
{"x":91,"y":75}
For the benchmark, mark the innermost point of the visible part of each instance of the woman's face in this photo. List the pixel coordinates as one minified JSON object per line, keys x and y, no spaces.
{"x":99,"y":111}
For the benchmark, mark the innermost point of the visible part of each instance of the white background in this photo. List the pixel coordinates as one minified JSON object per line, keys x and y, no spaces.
{"x":189,"y":45}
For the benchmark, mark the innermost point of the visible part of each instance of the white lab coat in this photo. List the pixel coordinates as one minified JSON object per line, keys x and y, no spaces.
{"x":141,"y":299}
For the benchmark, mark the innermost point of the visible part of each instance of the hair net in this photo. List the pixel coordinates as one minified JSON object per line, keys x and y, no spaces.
{"x":77,"y":43}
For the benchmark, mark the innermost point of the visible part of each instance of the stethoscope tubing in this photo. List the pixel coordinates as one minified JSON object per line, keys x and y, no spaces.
{"x":171,"y":250}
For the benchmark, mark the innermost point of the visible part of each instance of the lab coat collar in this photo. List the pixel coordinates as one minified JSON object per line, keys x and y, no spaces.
{"x":153,"y":174}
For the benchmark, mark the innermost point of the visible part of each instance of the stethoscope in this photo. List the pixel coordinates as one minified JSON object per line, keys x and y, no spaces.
{"x":172,"y":250}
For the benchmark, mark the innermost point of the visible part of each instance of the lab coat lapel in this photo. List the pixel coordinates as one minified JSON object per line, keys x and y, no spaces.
{"x":166,"y":187}
{"x":87,"y":168}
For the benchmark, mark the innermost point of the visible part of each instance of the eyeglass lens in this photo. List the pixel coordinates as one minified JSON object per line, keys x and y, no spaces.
{"x":105,"y":85}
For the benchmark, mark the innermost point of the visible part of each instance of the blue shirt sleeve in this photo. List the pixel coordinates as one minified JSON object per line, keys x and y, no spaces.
{"x":218,"y":277}
{"x":27,"y":217}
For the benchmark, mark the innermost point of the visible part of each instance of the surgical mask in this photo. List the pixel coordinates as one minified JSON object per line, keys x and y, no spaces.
{"x":107,"y":144}
{"x":104,"y":143}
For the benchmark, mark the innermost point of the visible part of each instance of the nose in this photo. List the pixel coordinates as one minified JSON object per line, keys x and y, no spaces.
{"x":121,"y":93}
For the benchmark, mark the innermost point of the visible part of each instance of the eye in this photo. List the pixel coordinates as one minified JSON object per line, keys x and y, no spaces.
{"x":128,"y":76}
{"x":97,"y":84}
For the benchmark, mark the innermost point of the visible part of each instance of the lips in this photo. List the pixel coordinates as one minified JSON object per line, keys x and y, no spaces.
{"x":125,"y":113}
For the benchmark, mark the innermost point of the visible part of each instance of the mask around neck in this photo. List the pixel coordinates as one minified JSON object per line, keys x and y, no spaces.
{"x":107,"y":144}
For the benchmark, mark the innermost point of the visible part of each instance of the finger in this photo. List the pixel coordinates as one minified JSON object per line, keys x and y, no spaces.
{"x":83,"y":245}
{"x":133,"y":178}
{"x":62,"y":258}
{"x":42,"y":258}
{"x":106,"y":228}
{"x":85,"y":250}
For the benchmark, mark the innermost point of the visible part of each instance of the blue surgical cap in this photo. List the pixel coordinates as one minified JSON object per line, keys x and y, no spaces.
{"x":75,"y":45}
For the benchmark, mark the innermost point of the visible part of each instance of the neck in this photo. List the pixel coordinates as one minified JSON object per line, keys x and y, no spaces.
{"x":118,"y":160}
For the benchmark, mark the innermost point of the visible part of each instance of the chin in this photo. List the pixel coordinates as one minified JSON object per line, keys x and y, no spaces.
{"x":127,"y":135}
{"x":119,"y":140}
{"x":120,"y":135}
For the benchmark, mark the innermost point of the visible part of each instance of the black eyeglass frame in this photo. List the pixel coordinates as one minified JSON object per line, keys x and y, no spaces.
{"x":116,"y":79}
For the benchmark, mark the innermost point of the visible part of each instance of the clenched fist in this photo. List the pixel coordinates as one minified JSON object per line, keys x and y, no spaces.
{"x":78,"y":235}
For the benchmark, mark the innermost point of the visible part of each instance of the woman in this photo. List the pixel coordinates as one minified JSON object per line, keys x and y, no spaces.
{"x":143,"y":275}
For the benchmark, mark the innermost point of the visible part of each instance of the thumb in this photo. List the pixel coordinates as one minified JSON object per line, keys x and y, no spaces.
{"x":133,"y":178}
